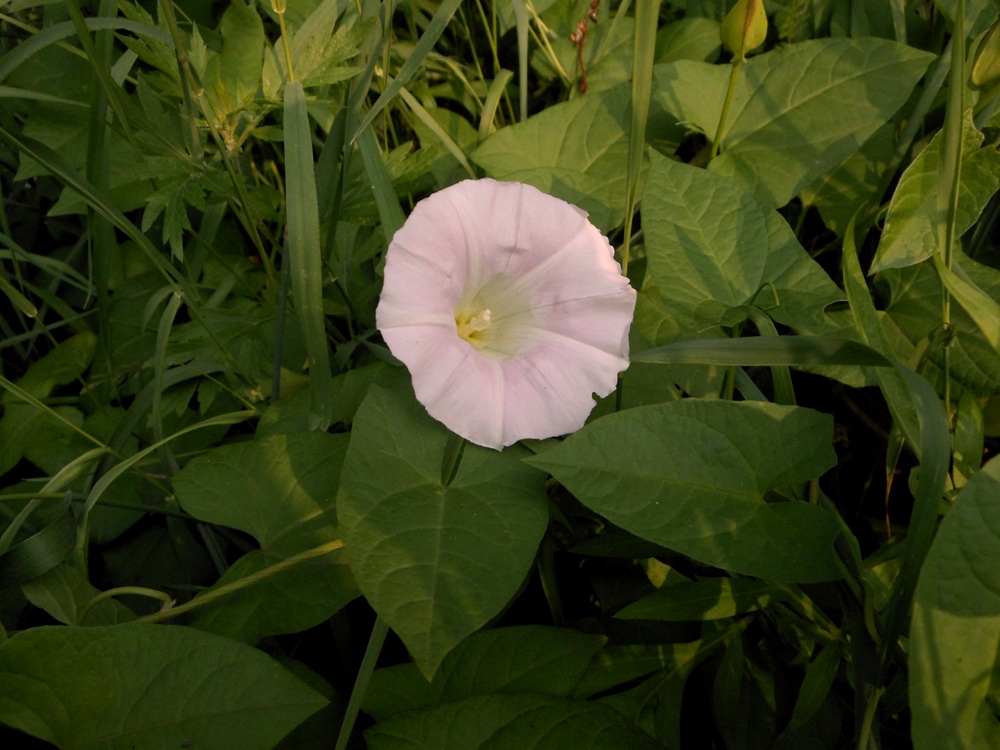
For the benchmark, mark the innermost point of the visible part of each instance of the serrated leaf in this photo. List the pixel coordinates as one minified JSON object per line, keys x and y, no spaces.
{"x":692,"y":475}
{"x":576,"y":150}
{"x":911,"y":226}
{"x":955,"y":629}
{"x":233,"y":77}
{"x":149,"y":686}
{"x":712,"y":247}
{"x":435,"y":561}
{"x":797,"y":112}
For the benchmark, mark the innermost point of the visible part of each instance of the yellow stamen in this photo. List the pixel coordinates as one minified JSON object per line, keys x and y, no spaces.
{"x":471,"y":325}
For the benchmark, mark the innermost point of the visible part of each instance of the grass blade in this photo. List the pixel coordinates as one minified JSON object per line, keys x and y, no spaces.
{"x":303,"y":246}
{"x":413,"y":62}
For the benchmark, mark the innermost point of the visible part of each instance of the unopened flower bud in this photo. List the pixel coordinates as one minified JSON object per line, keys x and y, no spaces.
{"x":744,"y":27}
{"x":986,"y":65}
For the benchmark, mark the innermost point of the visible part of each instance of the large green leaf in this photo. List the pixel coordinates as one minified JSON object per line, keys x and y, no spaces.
{"x":956,"y":625}
{"x":436,"y":561}
{"x":512,"y":722}
{"x":280,"y":489}
{"x":527,"y":659}
{"x":713,"y":247}
{"x":150,"y":686}
{"x":693,"y":476}
{"x":911,"y":226}
{"x":797,"y":112}
{"x":577,"y":151}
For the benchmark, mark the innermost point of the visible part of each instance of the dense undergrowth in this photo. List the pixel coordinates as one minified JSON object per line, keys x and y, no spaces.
{"x":227,"y":522}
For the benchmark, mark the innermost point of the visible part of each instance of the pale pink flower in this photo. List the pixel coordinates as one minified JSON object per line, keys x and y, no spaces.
{"x":509,"y":310}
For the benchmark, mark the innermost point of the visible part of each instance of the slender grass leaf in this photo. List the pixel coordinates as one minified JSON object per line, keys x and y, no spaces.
{"x":303,"y":247}
{"x":647,"y":12}
{"x":796,"y":351}
{"x":442,"y":16}
{"x":38,"y":554}
{"x":389,"y":212}
{"x":492,"y":101}
{"x":59,"y":31}
{"x":424,"y":116}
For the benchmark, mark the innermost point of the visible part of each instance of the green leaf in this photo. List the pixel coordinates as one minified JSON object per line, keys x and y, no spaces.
{"x":707,"y":599}
{"x":435,"y":561}
{"x":911,"y":226}
{"x":955,"y":629}
{"x":693,"y":475}
{"x":281,"y":490}
{"x":690,"y":38}
{"x":304,"y":247}
{"x":66,"y":362}
{"x":915,"y":306}
{"x":149,"y":686}
{"x":512,"y":722}
{"x":798,"y":111}
{"x":233,"y":77}
{"x":525,"y":659}
{"x":842,"y":191}
{"x":713,"y":247}
{"x":63,"y":591}
{"x":576,"y":150}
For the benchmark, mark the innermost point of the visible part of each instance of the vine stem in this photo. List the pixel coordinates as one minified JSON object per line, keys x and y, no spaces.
{"x":734,"y":74}
{"x":229,"y":588}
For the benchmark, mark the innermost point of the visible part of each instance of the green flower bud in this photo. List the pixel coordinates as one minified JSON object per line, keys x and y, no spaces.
{"x":744,"y":27}
{"x":278,"y":6}
{"x":986,"y":65}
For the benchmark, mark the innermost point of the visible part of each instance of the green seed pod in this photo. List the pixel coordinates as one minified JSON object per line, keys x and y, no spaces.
{"x":986,"y":66}
{"x":744,"y":27}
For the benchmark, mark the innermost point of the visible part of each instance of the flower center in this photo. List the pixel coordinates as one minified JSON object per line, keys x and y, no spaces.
{"x":470,"y":325}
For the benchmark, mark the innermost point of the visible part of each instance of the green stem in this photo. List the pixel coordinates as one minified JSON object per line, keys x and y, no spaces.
{"x":734,"y":74}
{"x":949,"y":176}
{"x":242,"y":583}
{"x":81,"y":615}
{"x":379,"y":632}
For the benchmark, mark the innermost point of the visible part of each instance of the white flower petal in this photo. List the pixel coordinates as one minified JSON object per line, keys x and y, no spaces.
{"x":549,"y":311}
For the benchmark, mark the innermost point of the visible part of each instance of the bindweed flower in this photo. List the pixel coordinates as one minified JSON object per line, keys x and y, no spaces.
{"x":508,"y":309}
